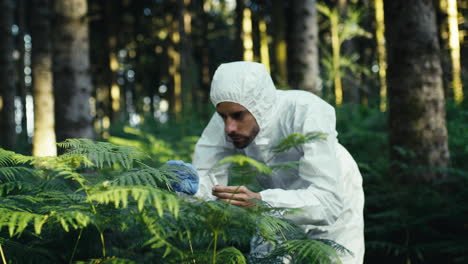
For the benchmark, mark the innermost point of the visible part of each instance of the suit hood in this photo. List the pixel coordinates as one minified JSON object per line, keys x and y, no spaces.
{"x":248,"y":84}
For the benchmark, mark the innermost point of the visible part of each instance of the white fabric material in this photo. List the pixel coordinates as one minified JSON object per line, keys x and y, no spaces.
{"x":328,"y":184}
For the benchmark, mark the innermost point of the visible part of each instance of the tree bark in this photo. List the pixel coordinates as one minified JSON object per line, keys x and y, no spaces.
{"x":203,"y":48}
{"x":303,"y":47}
{"x":71,"y":69}
{"x":44,"y":134}
{"x":279,"y":42}
{"x":102,"y":75}
{"x":239,"y":46}
{"x":22,"y":88}
{"x":7,"y":76}
{"x":418,"y":133}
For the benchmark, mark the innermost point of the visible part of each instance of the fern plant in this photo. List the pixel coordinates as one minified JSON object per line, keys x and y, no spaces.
{"x":102,"y":203}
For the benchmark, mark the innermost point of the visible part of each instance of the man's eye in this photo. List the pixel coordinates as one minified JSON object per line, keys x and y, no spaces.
{"x":238,"y":116}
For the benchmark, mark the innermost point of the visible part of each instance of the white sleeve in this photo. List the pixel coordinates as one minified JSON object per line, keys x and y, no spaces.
{"x":209,"y":150}
{"x":320,"y":203}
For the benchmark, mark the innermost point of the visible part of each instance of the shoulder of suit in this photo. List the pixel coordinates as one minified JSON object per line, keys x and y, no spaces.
{"x":302,"y":101}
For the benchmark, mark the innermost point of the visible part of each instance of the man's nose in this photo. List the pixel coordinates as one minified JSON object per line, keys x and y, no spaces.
{"x":230,"y":126}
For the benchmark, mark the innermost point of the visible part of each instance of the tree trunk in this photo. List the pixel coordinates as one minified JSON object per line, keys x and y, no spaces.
{"x":203,"y":47}
{"x":303,"y":47}
{"x":100,"y":64}
{"x":247,"y":35}
{"x":418,"y":133}
{"x":454,"y":44}
{"x":350,"y":82}
{"x":72,"y":82}
{"x":22,"y":89}
{"x":44,"y":134}
{"x":7,"y":76}
{"x":239,"y":46}
{"x":278,"y":21}
{"x":115,"y":93}
{"x":381,"y":54}
{"x":187,"y":63}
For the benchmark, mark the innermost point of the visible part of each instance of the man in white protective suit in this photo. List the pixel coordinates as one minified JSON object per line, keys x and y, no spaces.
{"x":252,"y":116}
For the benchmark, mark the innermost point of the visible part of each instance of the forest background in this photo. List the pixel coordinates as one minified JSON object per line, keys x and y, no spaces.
{"x":138,"y":73}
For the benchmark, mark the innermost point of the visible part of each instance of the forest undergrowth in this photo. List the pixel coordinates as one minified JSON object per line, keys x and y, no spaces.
{"x":102,"y":203}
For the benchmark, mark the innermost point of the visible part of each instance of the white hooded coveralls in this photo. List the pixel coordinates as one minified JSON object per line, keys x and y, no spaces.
{"x":328,"y":184}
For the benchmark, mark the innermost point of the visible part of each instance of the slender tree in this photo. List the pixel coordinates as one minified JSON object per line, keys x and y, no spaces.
{"x":380,"y":39}
{"x":279,"y":41}
{"x":100,"y":63}
{"x":187,"y":64}
{"x":202,"y":47}
{"x":7,"y":76}
{"x":418,"y":131}
{"x":239,"y":46}
{"x":44,"y":134}
{"x":22,"y":88}
{"x":71,"y":69}
{"x":116,"y":100}
{"x":303,"y":46}
{"x":454,"y":45}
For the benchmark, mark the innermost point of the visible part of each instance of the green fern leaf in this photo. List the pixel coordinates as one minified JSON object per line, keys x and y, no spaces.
{"x":159,"y":236}
{"x":242,"y":160}
{"x":143,"y":195}
{"x":270,"y":226}
{"x":307,"y":251}
{"x":10,"y":174}
{"x":297,"y":139}
{"x":17,"y":221}
{"x":230,"y":255}
{"x":6,"y":158}
{"x":9,"y":187}
{"x":75,"y":219}
{"x":147,"y":176}
{"x":102,"y":153}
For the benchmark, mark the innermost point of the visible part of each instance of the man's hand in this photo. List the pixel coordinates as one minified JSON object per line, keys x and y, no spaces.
{"x":236,"y":195}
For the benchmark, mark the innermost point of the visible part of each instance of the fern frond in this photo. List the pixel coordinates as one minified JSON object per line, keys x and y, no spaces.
{"x":148,"y":176}
{"x":9,"y":187}
{"x":143,"y":195}
{"x":6,"y":158}
{"x":10,"y":158}
{"x":158,"y":240}
{"x":242,"y":160}
{"x":270,"y":226}
{"x":297,"y":139}
{"x":230,"y":255}
{"x":17,"y":221}
{"x":10,"y":174}
{"x":60,"y":197}
{"x":307,"y":251}
{"x":102,"y":153}
{"x":71,"y":218}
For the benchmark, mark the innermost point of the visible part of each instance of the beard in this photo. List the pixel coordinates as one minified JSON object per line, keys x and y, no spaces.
{"x":241,"y":141}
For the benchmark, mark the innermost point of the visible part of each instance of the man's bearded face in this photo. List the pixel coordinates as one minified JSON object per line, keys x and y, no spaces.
{"x":239,"y":124}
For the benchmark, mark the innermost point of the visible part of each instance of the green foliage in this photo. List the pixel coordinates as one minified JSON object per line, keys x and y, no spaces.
{"x":244,"y":170}
{"x":230,"y":255}
{"x":417,"y":223}
{"x":101,"y":153}
{"x":309,"y":251}
{"x":108,"y":196}
{"x":161,"y":142}
{"x":296,"y":139}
